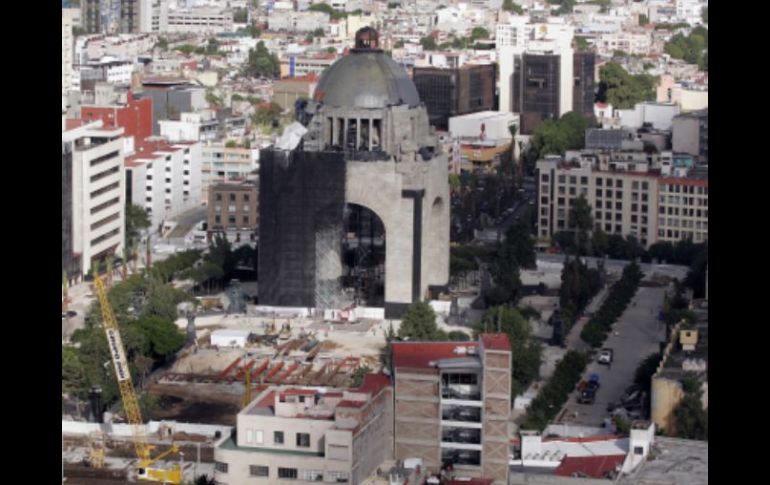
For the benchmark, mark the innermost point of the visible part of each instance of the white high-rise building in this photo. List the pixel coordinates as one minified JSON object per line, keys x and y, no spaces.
{"x":521,"y":36}
{"x":690,"y":11}
{"x":165,"y":178}
{"x":67,"y":22}
{"x":96,"y":183}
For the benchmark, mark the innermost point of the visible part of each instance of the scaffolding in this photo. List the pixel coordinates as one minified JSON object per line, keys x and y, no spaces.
{"x":328,"y":268}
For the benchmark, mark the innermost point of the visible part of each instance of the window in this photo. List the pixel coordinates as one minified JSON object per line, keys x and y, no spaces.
{"x":287,"y":473}
{"x":258,"y":437}
{"x":608,"y":193}
{"x":634,"y":207}
{"x":312,"y":475}
{"x":562,"y":179}
{"x":220,"y":467}
{"x":618,"y":216}
{"x":635,"y":185}
{"x":543,"y":222}
{"x":303,"y":441}
{"x":561,"y":201}
{"x":277,"y":437}
{"x":599,"y":181}
{"x":608,"y":205}
{"x":584,"y":180}
{"x":618,"y":194}
{"x":619,"y":183}
{"x":339,"y":477}
{"x":544,"y":178}
{"x":618,"y":206}
{"x":259,"y":471}
{"x":572,"y":191}
{"x":608,"y":227}
{"x":232,"y":197}
{"x":645,"y":185}
{"x":573,"y":179}
{"x":543,"y":200}
{"x":219,"y":197}
{"x":598,"y":192}
{"x":246,"y":220}
{"x":633,"y":219}
{"x":245,"y":197}
{"x":543,"y":211}
{"x":231,"y":220}
{"x":618,"y":229}
{"x":598,"y":214}
{"x":561,"y":190}
{"x":644,"y":208}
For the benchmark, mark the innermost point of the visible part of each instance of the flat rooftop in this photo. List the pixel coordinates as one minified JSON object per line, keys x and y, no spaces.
{"x":673,"y":461}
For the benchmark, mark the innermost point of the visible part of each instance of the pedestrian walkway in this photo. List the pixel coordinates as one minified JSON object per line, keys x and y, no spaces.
{"x":573,"y":340}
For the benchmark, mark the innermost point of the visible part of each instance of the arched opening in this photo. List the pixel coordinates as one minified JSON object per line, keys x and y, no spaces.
{"x":363,"y":257}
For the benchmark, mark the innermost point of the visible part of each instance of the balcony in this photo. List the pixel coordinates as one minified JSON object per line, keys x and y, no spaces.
{"x":461,"y":393}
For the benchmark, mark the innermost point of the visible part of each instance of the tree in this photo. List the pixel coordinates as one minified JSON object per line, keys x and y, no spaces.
{"x":599,"y":242}
{"x":690,"y":419}
{"x":581,"y":221}
{"x":623,"y":90}
{"x":511,"y":6}
{"x":643,"y":20}
{"x":526,"y":350}
{"x":162,"y":44}
{"x":554,"y":137}
{"x":458,"y":336}
{"x":185,"y":49}
{"x":137,"y":220}
{"x":428,"y":43}
{"x":162,"y":338}
{"x":240,"y":15}
{"x":327,"y":9}
{"x":261,"y":63}
{"x":581,"y":44}
{"x":213,"y":100}
{"x":358,"y":375}
{"x":267,"y":114}
{"x":419,"y":323}
{"x":72,"y":373}
{"x":479,"y":33}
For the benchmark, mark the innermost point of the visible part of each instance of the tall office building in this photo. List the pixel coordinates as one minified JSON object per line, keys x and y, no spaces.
{"x":584,"y":87}
{"x":91,"y":15}
{"x":455,"y":91}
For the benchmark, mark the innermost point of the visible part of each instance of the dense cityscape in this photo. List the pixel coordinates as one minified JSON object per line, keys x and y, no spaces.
{"x":385,"y":242}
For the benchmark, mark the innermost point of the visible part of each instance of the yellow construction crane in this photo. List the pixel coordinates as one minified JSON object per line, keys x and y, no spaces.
{"x":145,"y":469}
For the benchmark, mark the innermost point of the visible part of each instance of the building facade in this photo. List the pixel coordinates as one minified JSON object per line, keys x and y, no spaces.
{"x":124,"y":110}
{"x":67,"y":46}
{"x":164,"y":179}
{"x":223,"y":164}
{"x":452,"y":405}
{"x":233,"y":211}
{"x":455,"y":91}
{"x":690,"y":134}
{"x":307,"y":435}
{"x":95,"y":160}
{"x":626,"y":197}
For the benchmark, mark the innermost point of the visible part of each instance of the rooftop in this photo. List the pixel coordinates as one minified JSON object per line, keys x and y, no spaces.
{"x":425,"y":354}
{"x":673,"y":461}
{"x":495,"y":341}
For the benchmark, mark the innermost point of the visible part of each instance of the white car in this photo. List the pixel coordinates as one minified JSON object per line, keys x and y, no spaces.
{"x":605,"y":356}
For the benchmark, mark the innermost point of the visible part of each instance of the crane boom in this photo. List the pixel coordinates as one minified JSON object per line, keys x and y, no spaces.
{"x":128,"y":395}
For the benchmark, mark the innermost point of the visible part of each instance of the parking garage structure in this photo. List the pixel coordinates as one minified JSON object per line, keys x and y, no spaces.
{"x":452,"y":404}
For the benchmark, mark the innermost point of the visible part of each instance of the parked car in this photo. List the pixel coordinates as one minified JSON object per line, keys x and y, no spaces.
{"x":587,"y":396}
{"x":605,"y":356}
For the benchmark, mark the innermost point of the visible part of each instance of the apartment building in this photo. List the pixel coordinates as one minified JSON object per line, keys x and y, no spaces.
{"x":683,"y":209}
{"x":627,"y":197}
{"x":94,"y":178}
{"x":164,"y":178}
{"x":635,"y":43}
{"x":452,"y":405}
{"x":305,"y":435}
{"x":120,"y":108}
{"x":198,"y":20}
{"x":233,"y":211}
{"x":226,"y":164}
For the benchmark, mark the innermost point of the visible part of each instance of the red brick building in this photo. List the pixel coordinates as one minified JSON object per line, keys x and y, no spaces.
{"x":135,"y":117}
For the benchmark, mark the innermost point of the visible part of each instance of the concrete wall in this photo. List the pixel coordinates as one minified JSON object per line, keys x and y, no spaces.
{"x":417,"y":425}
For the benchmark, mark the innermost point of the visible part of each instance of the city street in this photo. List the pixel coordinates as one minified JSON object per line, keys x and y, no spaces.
{"x":635,"y":335}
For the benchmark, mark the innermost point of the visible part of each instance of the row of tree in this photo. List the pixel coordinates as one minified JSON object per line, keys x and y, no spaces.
{"x":579,"y":284}
{"x":556,"y":391}
{"x":515,"y":251}
{"x":596,"y":330}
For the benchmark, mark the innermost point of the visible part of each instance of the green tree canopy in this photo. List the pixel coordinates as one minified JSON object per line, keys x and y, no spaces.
{"x":479,"y":33}
{"x":161,"y":337}
{"x":419,"y":323}
{"x":623,"y":90}
{"x":137,"y":220}
{"x":511,"y":6}
{"x":428,"y":43}
{"x":262,"y":63}
{"x":693,"y":49}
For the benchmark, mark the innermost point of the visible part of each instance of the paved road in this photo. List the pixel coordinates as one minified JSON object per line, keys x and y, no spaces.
{"x":636,"y":335}
{"x":617,"y":265}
